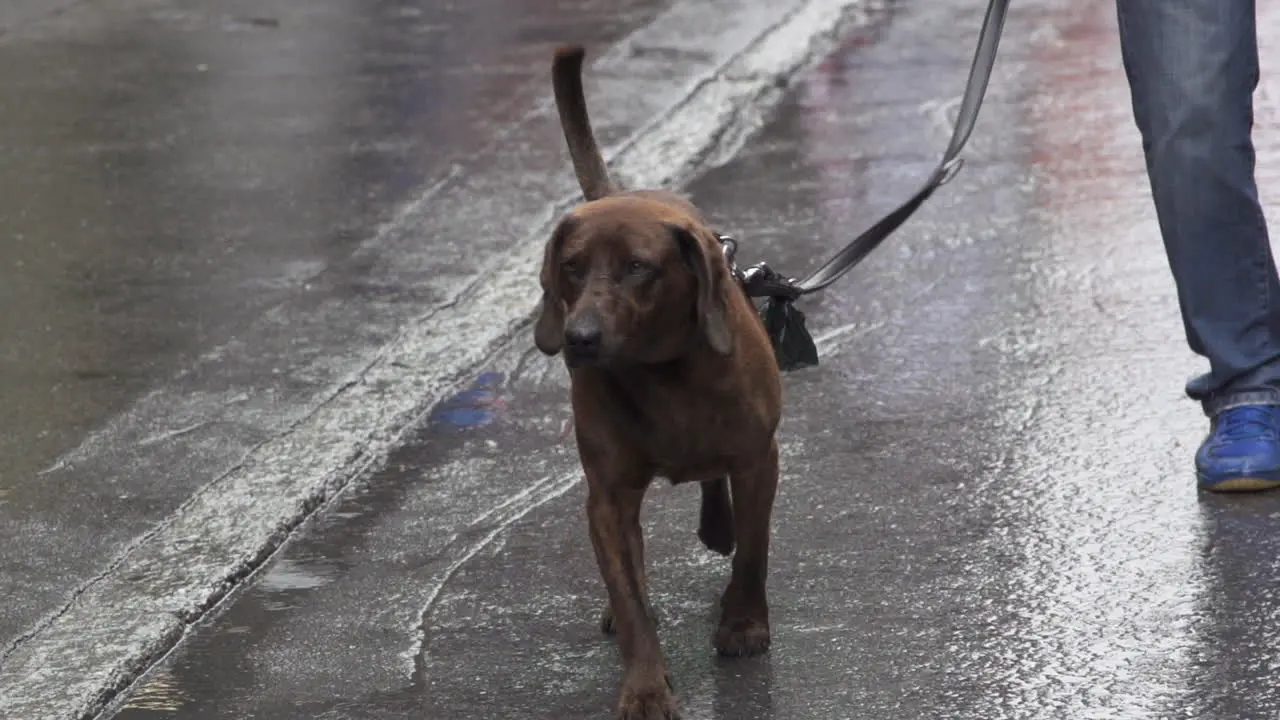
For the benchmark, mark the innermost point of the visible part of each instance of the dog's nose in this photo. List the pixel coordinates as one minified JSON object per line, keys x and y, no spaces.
{"x":583,"y":337}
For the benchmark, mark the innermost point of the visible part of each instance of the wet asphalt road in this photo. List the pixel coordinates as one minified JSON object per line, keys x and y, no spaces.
{"x":987,"y":509}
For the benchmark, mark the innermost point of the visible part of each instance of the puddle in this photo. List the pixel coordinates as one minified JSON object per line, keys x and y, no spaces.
{"x":161,"y":696}
{"x":297,"y":574}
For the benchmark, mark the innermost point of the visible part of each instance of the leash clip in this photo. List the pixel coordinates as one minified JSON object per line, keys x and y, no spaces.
{"x":730,"y":248}
{"x":760,"y":280}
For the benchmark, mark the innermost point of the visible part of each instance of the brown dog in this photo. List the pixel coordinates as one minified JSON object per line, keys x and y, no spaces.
{"x":672,"y":375}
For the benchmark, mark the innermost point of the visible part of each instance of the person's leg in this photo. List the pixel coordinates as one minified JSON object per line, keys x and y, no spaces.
{"x":1192,"y":67}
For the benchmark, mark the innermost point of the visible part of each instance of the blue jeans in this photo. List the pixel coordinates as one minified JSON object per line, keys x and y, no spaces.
{"x":1192,"y":67}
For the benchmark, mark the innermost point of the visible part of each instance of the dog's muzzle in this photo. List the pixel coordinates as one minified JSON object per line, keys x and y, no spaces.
{"x":583,"y":341}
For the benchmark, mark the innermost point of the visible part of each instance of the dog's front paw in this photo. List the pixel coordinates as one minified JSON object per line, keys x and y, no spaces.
{"x":742,"y":637}
{"x":648,"y":699}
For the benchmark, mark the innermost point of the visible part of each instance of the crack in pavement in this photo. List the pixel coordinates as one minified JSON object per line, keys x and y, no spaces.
{"x":506,"y":514}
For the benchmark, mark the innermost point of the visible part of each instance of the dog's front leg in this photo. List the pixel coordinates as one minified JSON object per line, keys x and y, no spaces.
{"x":613,"y":515}
{"x":635,"y":541}
{"x":744,"y":618}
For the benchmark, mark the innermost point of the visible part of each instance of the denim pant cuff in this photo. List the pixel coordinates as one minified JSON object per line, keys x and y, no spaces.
{"x":1226,"y":401}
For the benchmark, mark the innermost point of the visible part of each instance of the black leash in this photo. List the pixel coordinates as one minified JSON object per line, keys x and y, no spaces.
{"x":792,"y":343}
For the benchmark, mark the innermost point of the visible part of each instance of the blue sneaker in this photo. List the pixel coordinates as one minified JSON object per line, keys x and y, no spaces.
{"x":1242,"y":452}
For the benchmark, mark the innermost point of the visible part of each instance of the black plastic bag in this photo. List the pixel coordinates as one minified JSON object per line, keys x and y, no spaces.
{"x":792,"y":343}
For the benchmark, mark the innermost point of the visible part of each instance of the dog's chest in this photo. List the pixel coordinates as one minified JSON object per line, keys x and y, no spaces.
{"x":686,"y":434}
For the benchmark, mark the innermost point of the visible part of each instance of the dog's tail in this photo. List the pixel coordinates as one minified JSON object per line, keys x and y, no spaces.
{"x":588,"y":164}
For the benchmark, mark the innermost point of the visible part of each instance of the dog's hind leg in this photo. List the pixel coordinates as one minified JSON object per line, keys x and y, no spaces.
{"x":744,"y":618}
{"x":715,"y":521}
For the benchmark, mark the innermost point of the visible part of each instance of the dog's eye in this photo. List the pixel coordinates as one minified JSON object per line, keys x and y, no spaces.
{"x":569,"y":267}
{"x":636,"y":267}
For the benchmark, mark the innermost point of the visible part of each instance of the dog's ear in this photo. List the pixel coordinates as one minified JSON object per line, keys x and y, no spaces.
{"x":548,"y":330}
{"x":713,"y":316}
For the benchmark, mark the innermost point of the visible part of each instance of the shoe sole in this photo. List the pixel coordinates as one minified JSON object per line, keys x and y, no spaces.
{"x":1238,"y":484}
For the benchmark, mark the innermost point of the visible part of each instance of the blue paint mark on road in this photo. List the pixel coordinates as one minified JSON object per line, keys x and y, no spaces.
{"x":478,"y":405}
